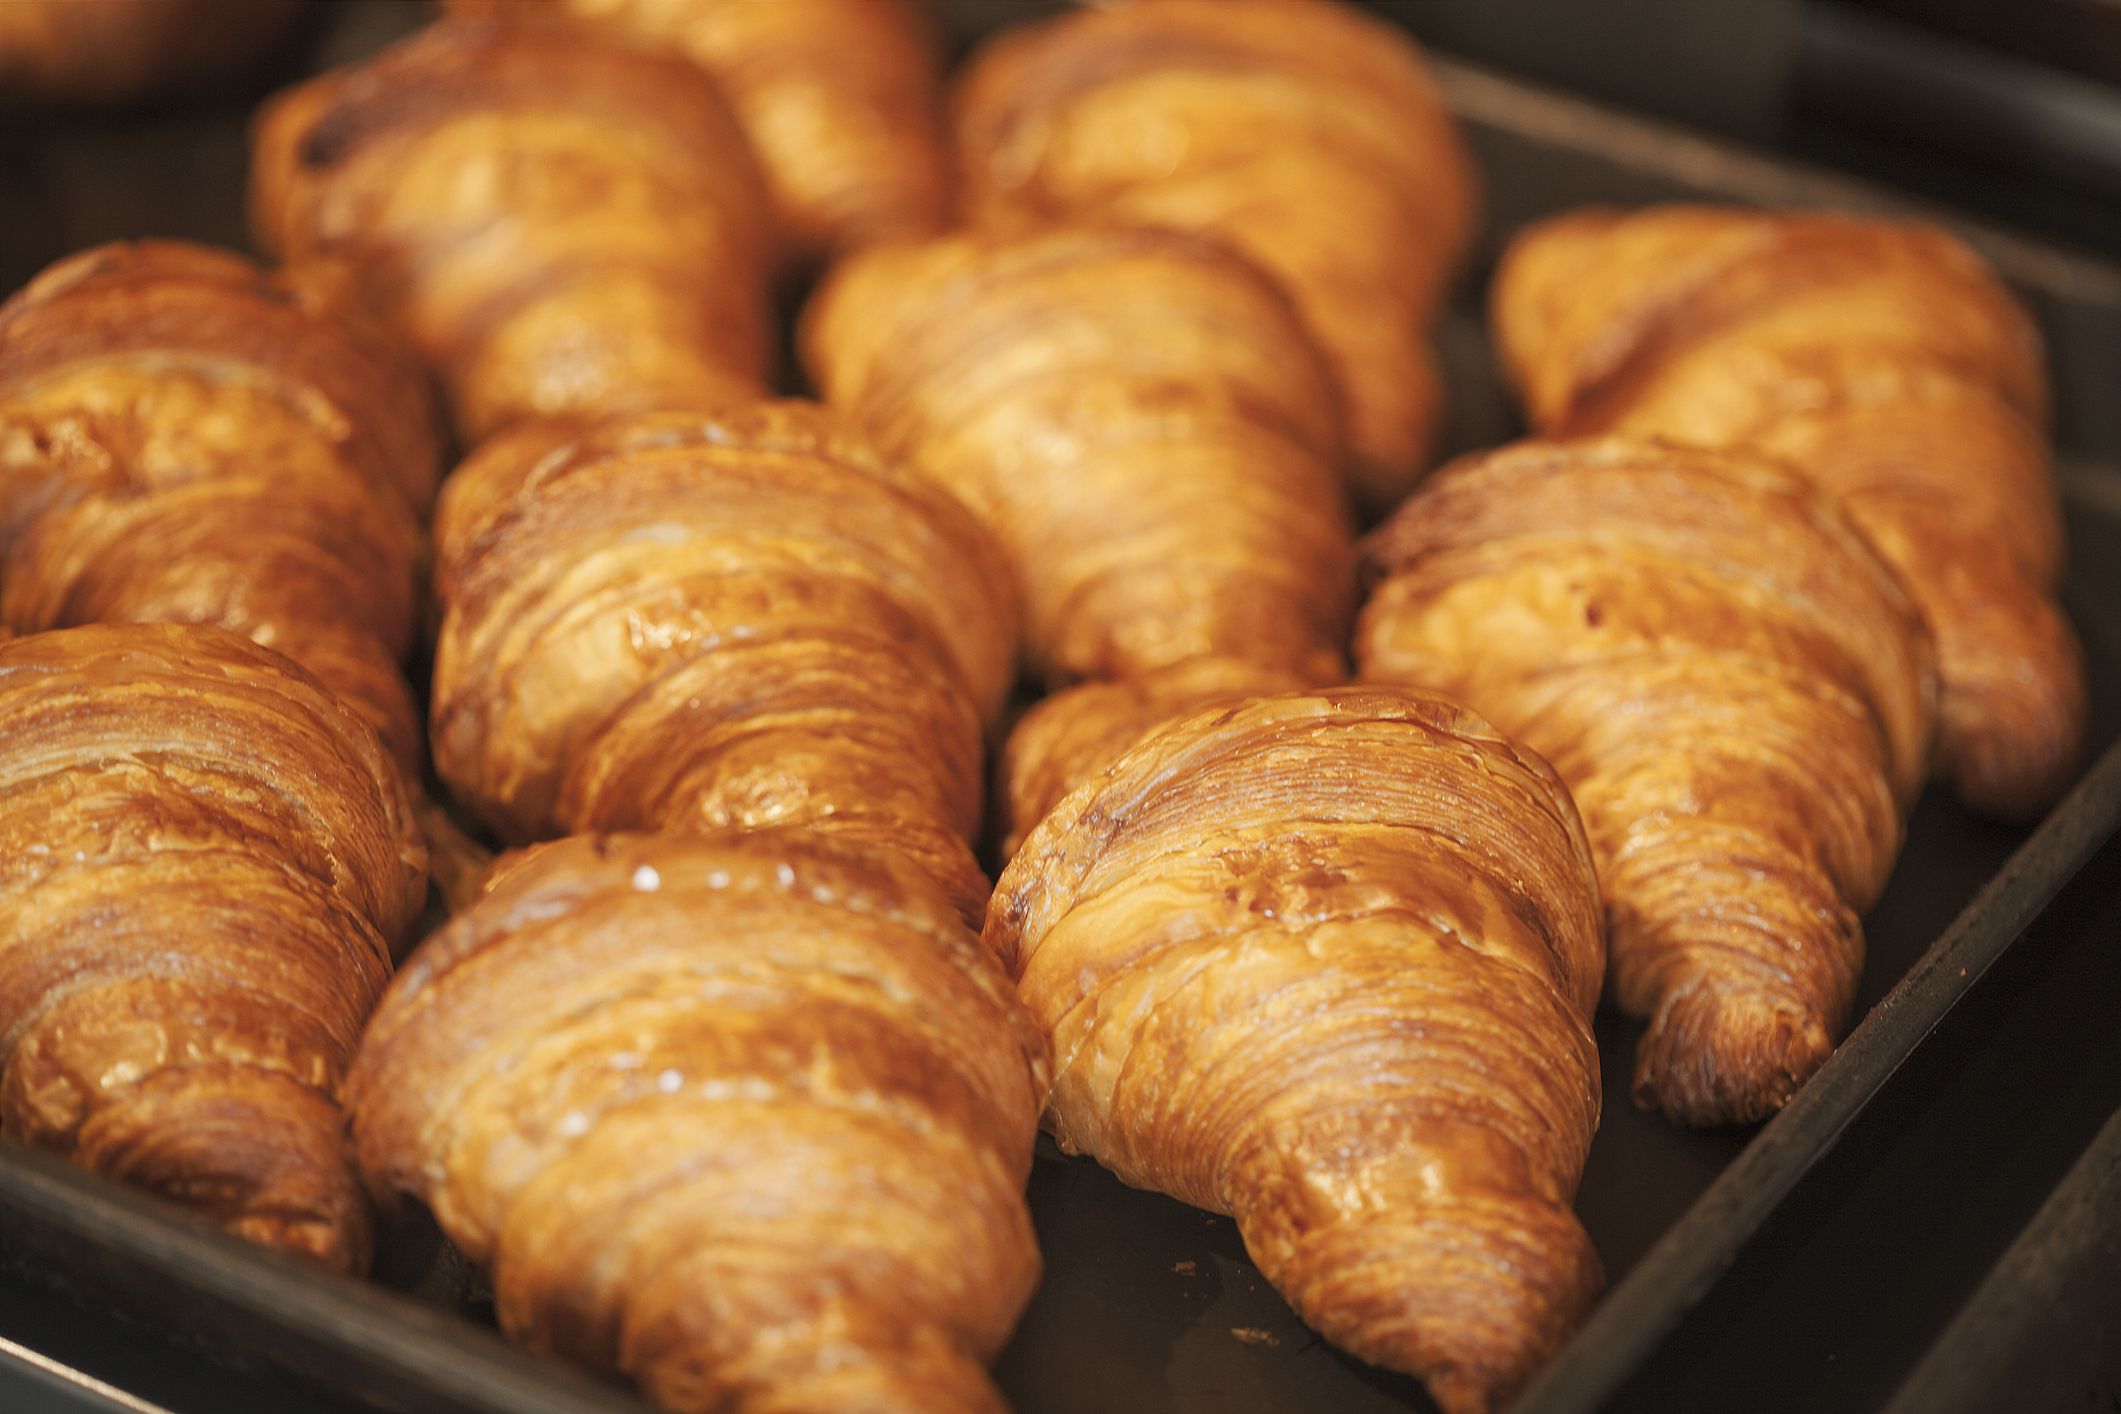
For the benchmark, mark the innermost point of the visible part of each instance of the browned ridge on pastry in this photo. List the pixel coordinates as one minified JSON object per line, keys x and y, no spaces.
{"x":560,"y":225}
{"x":1136,"y":415}
{"x":1326,"y":963}
{"x":184,"y":437}
{"x":684,"y":622}
{"x":108,"y":51}
{"x":1885,"y":362}
{"x":1736,"y":690}
{"x":745,"y":1117}
{"x":840,"y":99}
{"x":204,"y":862}
{"x":1306,"y":134}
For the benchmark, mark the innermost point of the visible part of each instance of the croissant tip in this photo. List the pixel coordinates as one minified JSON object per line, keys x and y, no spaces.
{"x":1714,"y":1056}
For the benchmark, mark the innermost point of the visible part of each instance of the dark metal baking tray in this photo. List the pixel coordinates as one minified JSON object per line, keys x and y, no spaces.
{"x":1148,"y":1305}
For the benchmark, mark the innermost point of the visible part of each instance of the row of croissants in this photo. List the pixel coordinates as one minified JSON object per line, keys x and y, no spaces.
{"x":729,"y":1075}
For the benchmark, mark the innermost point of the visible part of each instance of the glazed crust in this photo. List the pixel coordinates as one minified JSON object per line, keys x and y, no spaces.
{"x":110,"y":51}
{"x":1306,"y":135}
{"x":679,"y":621}
{"x":1737,"y":691}
{"x":744,"y":1117}
{"x":1136,"y":416}
{"x":1325,"y":962}
{"x":840,"y":100}
{"x":1886,"y":363}
{"x":205,"y":860}
{"x":184,"y":437}
{"x":559,"y":225}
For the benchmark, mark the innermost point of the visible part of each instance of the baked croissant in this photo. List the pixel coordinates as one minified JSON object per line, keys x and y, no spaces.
{"x":687,"y":622}
{"x":840,"y":99}
{"x":1736,"y":690}
{"x":1326,"y":962}
{"x":745,"y":1117}
{"x":185,"y":437}
{"x":559,"y":225}
{"x":1136,"y":415}
{"x":107,"y":51}
{"x":204,"y":861}
{"x":1306,"y":134}
{"x":1886,"y":363}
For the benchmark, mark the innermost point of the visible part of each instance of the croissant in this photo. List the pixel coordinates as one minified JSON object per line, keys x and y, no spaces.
{"x":1736,"y":690}
{"x":184,"y":437}
{"x":204,"y":859}
{"x":107,"y":51}
{"x":840,"y":99}
{"x":745,"y":1117}
{"x":1135,"y":414}
{"x":558,"y":225}
{"x":1306,"y":134}
{"x":1325,"y":962}
{"x":1887,"y":364}
{"x":687,"y":622}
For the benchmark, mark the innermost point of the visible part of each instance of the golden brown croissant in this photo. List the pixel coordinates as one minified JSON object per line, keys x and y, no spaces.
{"x":204,"y":860}
{"x":1306,"y":134}
{"x":1326,"y":962}
{"x":106,"y":51}
{"x":1736,"y":690}
{"x":742,"y":1116}
{"x":1136,"y":415}
{"x":559,"y":225}
{"x":685,"y":622}
{"x":839,"y":99}
{"x":184,"y":437}
{"x":1886,"y":363}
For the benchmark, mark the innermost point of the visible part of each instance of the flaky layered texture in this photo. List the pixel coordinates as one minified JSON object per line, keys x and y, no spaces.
{"x":109,"y":51}
{"x":839,"y":98}
{"x":1883,"y":361}
{"x":1740,"y":697}
{"x":746,"y":1118}
{"x":1138,"y":418}
{"x":687,"y":622}
{"x":184,"y":437}
{"x":204,"y":862}
{"x":560,"y":225}
{"x":1304,"y":133}
{"x":1325,"y":962}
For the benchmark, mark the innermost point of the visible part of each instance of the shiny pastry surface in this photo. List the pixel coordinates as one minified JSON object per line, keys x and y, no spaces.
{"x":1304,"y":133}
{"x":1885,"y":362}
{"x":745,"y":1117}
{"x":1137,"y":417}
{"x":559,"y":224}
{"x":1325,"y":962}
{"x":1736,"y":689}
{"x":205,"y":862}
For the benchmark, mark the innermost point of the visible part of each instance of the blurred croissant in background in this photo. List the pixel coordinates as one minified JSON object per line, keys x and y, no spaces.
{"x":205,"y":864}
{"x":558,"y":225}
{"x":1326,"y":963}
{"x":1305,"y":134}
{"x":111,"y":51}
{"x":1739,"y":695}
{"x":692,"y":622}
{"x":1136,"y":415}
{"x":745,"y":1117}
{"x":840,"y":100}
{"x":1885,"y":362}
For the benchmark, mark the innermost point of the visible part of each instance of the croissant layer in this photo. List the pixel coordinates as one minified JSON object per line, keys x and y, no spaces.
{"x":204,"y":862}
{"x":1325,"y":962}
{"x":1883,"y":361}
{"x":1739,"y":695}
{"x":1305,"y":134}
{"x":746,"y":1117}
{"x":1137,"y":417}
